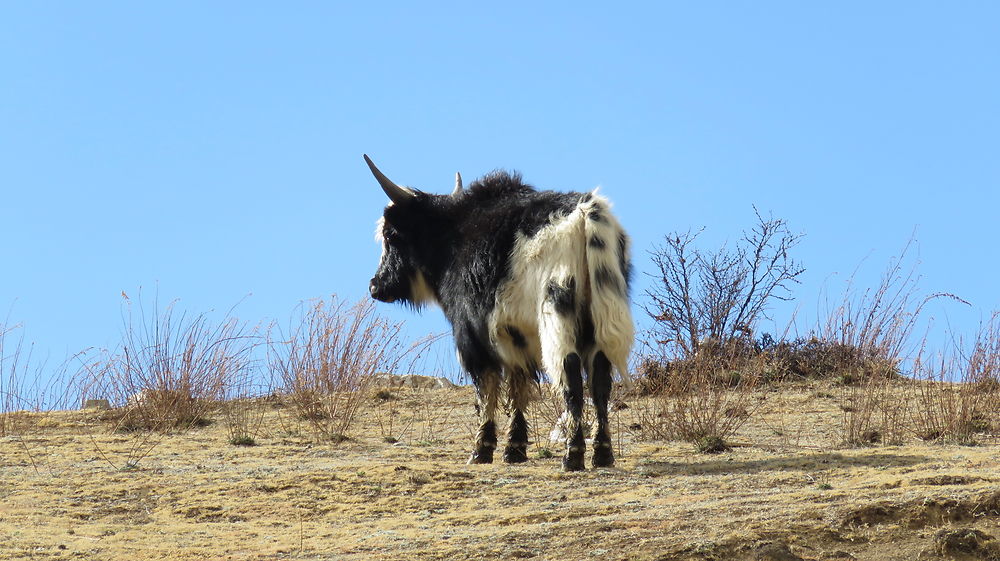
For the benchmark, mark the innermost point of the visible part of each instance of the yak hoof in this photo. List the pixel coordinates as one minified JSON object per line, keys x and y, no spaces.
{"x":603,"y":457}
{"x":573,"y":461}
{"x":515,"y":455}
{"x":484,"y":456}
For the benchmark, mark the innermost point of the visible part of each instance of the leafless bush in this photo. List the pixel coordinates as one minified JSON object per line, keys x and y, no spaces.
{"x":983,"y":365}
{"x":169,"y":371}
{"x":702,"y":402}
{"x":327,"y":362}
{"x":243,"y":410}
{"x":721,"y":296}
{"x":167,"y":374}
{"x":702,"y":360}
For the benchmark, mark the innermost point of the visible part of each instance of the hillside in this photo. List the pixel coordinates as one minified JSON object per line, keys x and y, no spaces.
{"x":784,"y":492}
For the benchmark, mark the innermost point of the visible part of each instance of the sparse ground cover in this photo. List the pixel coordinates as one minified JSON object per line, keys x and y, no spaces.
{"x":399,"y":488}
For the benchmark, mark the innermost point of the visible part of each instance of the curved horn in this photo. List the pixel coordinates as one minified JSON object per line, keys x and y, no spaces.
{"x":458,"y":184}
{"x":396,"y":193}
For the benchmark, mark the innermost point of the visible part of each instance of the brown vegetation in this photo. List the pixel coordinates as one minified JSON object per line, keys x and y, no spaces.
{"x":785,"y":487}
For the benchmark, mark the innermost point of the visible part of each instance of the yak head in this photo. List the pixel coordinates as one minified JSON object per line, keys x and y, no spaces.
{"x":411,"y":232}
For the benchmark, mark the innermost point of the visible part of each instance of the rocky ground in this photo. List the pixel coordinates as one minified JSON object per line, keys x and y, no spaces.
{"x":399,"y":489}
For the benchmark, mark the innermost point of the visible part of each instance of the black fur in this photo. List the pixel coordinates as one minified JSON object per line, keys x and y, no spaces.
{"x":600,"y":391}
{"x":563,"y":297}
{"x":517,"y":337}
{"x":462,"y":246}
{"x":516,"y":451}
{"x":486,"y":443}
{"x":623,"y":262}
{"x":607,"y":280}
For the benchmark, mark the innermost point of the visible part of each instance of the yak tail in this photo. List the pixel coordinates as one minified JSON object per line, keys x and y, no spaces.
{"x":609,"y":268}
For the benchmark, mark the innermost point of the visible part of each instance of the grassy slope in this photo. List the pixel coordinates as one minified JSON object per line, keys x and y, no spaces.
{"x":784,"y":492}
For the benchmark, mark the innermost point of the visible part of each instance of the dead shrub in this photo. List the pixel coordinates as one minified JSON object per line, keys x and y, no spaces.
{"x":719,"y":297}
{"x":702,"y":359}
{"x":169,"y":370}
{"x":243,"y":410}
{"x":327,"y":362}
{"x":701,"y":400}
{"x":816,"y":358}
{"x":167,"y":374}
{"x":874,"y":410}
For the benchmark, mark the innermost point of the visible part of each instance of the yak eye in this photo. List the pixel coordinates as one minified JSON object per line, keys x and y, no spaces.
{"x":391,"y":235}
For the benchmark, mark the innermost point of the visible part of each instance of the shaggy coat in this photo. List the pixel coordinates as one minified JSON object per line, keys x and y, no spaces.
{"x":529,"y":280}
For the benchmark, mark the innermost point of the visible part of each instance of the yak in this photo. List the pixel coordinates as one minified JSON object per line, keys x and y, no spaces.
{"x":530,"y":280}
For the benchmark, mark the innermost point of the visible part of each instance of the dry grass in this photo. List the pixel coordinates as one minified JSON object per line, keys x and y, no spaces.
{"x":168,"y":374}
{"x":703,"y":400}
{"x":879,"y":321}
{"x":170,"y":369}
{"x":27,"y":388}
{"x":958,"y":412}
{"x":13,"y":371}
{"x":198,"y":497}
{"x":326,"y":364}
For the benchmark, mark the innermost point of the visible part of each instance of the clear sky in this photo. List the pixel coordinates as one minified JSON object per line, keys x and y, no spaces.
{"x":207,"y":151}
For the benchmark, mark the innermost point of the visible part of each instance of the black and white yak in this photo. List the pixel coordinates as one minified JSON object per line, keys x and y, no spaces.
{"x":529,"y":280}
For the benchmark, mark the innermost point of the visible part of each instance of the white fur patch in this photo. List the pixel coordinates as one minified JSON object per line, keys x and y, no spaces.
{"x":555,"y":254}
{"x":420,"y":292}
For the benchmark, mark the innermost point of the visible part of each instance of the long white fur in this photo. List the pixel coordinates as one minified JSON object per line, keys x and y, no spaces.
{"x":558,"y":252}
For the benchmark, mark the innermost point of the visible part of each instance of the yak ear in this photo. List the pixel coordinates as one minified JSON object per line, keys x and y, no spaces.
{"x":458,"y":185}
{"x":397,"y":194}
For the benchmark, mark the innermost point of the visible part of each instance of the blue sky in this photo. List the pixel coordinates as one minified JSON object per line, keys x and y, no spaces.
{"x":211,"y":151}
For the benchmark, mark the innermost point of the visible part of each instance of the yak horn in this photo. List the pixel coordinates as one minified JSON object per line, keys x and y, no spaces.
{"x":458,"y":184}
{"x":397,"y":194}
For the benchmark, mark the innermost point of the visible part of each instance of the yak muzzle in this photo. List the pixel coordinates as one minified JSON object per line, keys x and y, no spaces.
{"x":379,"y":293}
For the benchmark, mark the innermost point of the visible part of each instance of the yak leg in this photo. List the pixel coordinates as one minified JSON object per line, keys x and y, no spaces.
{"x":519,"y":387}
{"x":487,"y":390}
{"x":573,"y":395}
{"x":558,"y":322}
{"x":600,"y":390}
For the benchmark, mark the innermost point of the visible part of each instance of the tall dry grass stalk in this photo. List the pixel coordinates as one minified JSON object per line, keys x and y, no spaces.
{"x":27,"y":387}
{"x":244,"y":415}
{"x":958,"y":395}
{"x":170,"y":370}
{"x":13,"y":371}
{"x":327,"y":362}
{"x":875,"y":328}
{"x":878,"y":323}
{"x":874,"y":409}
{"x":245,"y":403}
